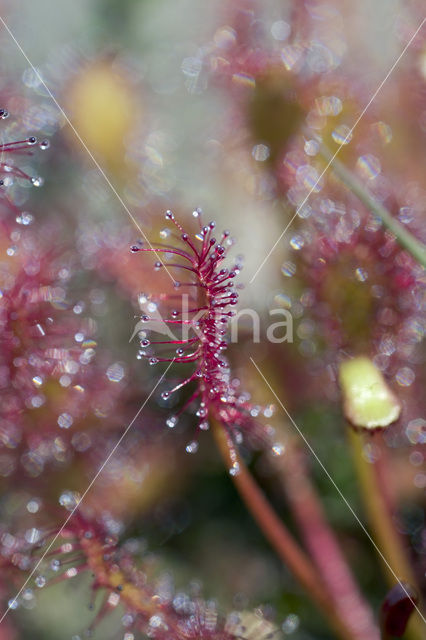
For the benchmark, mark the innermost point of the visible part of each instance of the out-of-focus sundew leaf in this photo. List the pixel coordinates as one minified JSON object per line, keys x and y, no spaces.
{"x":396,"y":610}
{"x":368,"y":401}
{"x":274,"y":115}
{"x":252,"y":626}
{"x":103,"y":109}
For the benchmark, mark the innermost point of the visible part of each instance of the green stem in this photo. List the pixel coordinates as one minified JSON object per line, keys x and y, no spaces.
{"x":404,"y":237}
{"x":383,"y":528}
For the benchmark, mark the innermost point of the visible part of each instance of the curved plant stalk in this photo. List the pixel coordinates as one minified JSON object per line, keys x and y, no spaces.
{"x":279,"y":537}
{"x":323,"y":545}
{"x":383,"y":527}
{"x":404,"y":237}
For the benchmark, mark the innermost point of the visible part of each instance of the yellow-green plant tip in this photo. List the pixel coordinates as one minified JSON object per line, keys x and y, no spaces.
{"x":368,"y":402}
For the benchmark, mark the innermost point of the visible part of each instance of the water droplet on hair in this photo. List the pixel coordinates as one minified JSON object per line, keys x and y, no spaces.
{"x":308,"y":177}
{"x":55,"y":565}
{"x":405,"y":376}
{"x":278,"y":449}
{"x":156,"y":621}
{"x":406,"y":215}
{"x":361,"y":274}
{"x":288,"y":269}
{"x":69,"y":500}
{"x":172,"y":421}
{"x":260,"y":152}
{"x":235,"y":469}
{"x":283,"y":300}
{"x":342,"y":134}
{"x":192,"y":447}
{"x":280,"y":30}
{"x":37,"y":181}
{"x":328,"y":105}
{"x":44,"y":144}
{"x":297,"y":242}
{"x":65,"y":420}
{"x":33,"y":505}
{"x":291,"y":623}
{"x":8,"y":181}
{"x":368,"y":166}
{"x":384,"y":131}
{"x":25,"y":218}
{"x":416,"y":431}
{"x":290,"y":55}
{"x":311,"y":147}
{"x":115,"y":372}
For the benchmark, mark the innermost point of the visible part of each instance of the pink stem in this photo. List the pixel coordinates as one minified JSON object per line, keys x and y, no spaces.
{"x":324,"y":548}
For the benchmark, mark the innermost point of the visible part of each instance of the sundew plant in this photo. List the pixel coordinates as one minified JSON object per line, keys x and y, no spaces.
{"x":212,"y":312}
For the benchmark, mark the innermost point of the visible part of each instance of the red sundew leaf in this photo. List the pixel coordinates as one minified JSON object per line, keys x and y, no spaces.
{"x":396,"y":609}
{"x":201,"y":327}
{"x":10,"y":154}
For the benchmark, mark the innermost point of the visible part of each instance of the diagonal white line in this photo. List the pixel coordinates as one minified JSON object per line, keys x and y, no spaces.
{"x":347,"y":503}
{"x":84,"y":145}
{"x":348,"y":137}
{"x":92,"y":482}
